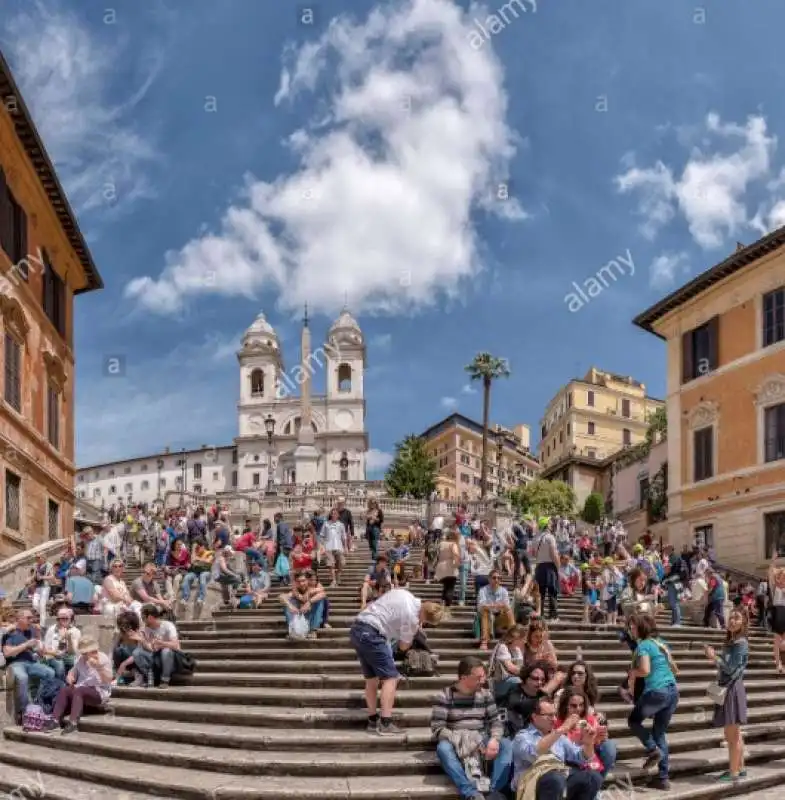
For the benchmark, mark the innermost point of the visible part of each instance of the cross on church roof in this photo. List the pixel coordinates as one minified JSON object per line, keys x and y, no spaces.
{"x":305,"y":318}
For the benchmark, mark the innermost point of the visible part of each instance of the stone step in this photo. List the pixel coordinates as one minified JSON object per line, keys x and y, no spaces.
{"x":691,"y":715}
{"x":689,"y":684}
{"x":332,"y":699}
{"x":178,"y":782}
{"x":277,"y":739}
{"x":16,"y":782}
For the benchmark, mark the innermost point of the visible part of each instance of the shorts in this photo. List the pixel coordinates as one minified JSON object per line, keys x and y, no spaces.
{"x":373,"y":651}
{"x":335,"y":558}
{"x":612,"y":604}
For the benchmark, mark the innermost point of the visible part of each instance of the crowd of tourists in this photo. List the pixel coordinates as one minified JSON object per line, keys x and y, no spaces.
{"x":526,"y":724}
{"x":522,"y":724}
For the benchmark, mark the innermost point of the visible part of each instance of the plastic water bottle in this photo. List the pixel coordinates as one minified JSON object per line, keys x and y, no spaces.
{"x":579,"y":653}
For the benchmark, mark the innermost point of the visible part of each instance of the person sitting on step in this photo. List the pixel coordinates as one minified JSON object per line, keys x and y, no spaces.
{"x":115,"y":596}
{"x":301,"y":600}
{"x":23,"y":652}
{"x":61,"y":641}
{"x":146,"y":589}
{"x":566,"y":773}
{"x":88,"y":685}
{"x":581,"y":676}
{"x":79,"y":591}
{"x":226,"y":576}
{"x":378,"y":574}
{"x":257,"y":589}
{"x":468,"y":727}
{"x":198,"y":572}
{"x":398,"y":557}
{"x":575,"y":701}
{"x":319,"y":596}
{"x":160,"y":637}
{"x":126,"y":671}
{"x":493,"y":605}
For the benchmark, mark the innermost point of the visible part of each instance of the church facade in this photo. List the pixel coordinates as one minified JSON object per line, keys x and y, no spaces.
{"x":312,"y":438}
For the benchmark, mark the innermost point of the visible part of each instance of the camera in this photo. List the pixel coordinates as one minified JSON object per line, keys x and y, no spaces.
{"x":583,"y":725}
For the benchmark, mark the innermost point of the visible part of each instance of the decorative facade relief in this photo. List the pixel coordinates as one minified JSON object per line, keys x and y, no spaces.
{"x":771,"y":391}
{"x":703,"y":415}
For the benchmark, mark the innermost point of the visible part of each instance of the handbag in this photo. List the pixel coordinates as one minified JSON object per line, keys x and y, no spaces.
{"x":299,"y":627}
{"x":282,"y":566}
{"x":716,"y":693}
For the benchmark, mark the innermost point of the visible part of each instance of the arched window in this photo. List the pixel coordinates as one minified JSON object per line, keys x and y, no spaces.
{"x":145,"y":485}
{"x":297,"y":424}
{"x":257,"y":383}
{"x":344,"y":378}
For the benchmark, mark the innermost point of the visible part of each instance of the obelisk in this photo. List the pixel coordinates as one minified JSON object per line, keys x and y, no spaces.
{"x":306,"y":456}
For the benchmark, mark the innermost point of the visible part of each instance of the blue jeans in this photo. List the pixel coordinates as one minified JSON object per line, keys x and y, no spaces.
{"x":607,"y":753}
{"x":659,"y":706}
{"x":190,"y":579}
{"x":501,"y":769}
{"x":374,"y":533}
{"x":23,"y":671}
{"x":673,"y":602}
{"x":579,"y":783}
{"x":58,"y":665}
{"x":314,"y":616}
{"x":463,"y":579}
{"x":143,"y":660}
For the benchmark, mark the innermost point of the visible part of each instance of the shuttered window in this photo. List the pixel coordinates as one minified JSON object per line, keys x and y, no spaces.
{"x":53,"y":416}
{"x":13,"y":372}
{"x":703,"y":454}
{"x":13,"y":228}
{"x":700,"y":350}
{"x":53,"y":299}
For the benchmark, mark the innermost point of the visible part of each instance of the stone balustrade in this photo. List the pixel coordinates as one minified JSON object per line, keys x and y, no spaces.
{"x":15,"y":571}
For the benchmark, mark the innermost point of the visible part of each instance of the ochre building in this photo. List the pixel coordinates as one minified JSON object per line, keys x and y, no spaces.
{"x":725,"y":335}
{"x":44,"y":262}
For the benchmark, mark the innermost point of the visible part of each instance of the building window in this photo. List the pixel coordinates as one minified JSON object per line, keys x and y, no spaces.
{"x":465,"y":478}
{"x":197,"y":471}
{"x":569,"y":400}
{"x":700,"y":350}
{"x":145,"y":485}
{"x":703,"y":453}
{"x":590,"y":398}
{"x":591,"y":453}
{"x":344,"y":474}
{"x":643,"y":492}
{"x":13,"y":372}
{"x":178,"y":482}
{"x":625,"y":407}
{"x":234,"y":479}
{"x":53,"y":416}
{"x":111,"y":473}
{"x":626,"y":436}
{"x":215,"y":475}
{"x":127,"y":470}
{"x":344,"y":378}
{"x":13,"y":228}
{"x":255,"y":479}
{"x":197,"y":488}
{"x":590,"y":429}
{"x":53,"y":518}
{"x":774,"y":525}
{"x":774,"y":317}
{"x":81,"y":479}
{"x":13,"y":501}
{"x":257,"y":383}
{"x":561,"y":437}
{"x":53,"y":296}
{"x":234,"y":456}
{"x":569,"y":429}
{"x":144,"y":467}
{"x":704,"y":536}
{"x":128,"y":488}
{"x":774,"y":432}
{"x":96,"y":492}
{"x":543,"y":432}
{"x":112,"y":489}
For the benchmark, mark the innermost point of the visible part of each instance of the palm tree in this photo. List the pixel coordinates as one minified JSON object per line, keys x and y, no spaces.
{"x":486,"y":368}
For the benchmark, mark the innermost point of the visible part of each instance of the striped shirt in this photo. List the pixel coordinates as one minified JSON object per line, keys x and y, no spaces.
{"x":95,"y":549}
{"x":458,"y":712}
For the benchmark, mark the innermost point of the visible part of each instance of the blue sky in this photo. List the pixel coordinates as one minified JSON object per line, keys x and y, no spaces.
{"x":230,"y":157}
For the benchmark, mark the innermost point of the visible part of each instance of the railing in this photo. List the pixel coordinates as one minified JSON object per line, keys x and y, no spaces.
{"x":736,"y":574}
{"x":15,"y":571}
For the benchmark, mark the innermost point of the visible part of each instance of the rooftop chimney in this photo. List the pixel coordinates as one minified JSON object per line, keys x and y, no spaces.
{"x":740,"y":246}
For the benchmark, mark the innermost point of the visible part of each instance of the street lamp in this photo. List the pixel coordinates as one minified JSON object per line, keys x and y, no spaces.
{"x":184,"y":476}
{"x":269,"y":427}
{"x":499,"y":454}
{"x":160,"y":465}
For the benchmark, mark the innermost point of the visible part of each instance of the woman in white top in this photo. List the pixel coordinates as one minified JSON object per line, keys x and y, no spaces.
{"x":334,"y":537}
{"x":115,"y":596}
{"x":88,"y":684}
{"x":507,"y":662}
{"x":777,"y":588}
{"x":448,"y":561}
{"x":480,"y":564}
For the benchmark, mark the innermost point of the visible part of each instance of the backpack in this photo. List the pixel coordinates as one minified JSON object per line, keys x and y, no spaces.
{"x":35,"y":719}
{"x":420,"y":664}
{"x":47,"y":693}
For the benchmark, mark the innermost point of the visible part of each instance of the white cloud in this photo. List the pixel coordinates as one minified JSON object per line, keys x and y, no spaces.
{"x":64,"y":73}
{"x":377,"y":460}
{"x":710,"y":193}
{"x":409,"y":140}
{"x":468,"y":389}
{"x":449,"y":403}
{"x":666,"y":269}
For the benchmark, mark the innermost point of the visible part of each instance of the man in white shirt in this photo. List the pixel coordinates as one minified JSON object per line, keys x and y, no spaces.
{"x":394,"y":618}
{"x":158,"y":636}
{"x":493,"y":602}
{"x":335,"y":539}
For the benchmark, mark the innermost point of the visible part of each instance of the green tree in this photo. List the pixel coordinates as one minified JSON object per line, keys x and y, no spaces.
{"x":486,"y":368}
{"x":593,"y":508}
{"x":412,"y":471}
{"x":541,"y":496}
{"x":658,"y":426}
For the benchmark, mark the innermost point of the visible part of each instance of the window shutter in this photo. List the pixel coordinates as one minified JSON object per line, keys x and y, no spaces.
{"x":6,"y":230}
{"x":713,"y":326}
{"x":22,"y":234}
{"x":686,"y":357}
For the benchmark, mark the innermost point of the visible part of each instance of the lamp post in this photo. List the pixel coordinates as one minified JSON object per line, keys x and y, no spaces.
{"x":269,"y":427}
{"x":183,"y":476}
{"x":499,"y":454}
{"x":160,"y":465}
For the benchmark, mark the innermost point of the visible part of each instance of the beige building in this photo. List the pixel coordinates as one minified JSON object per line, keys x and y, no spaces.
{"x":456,"y":444}
{"x":725,"y":337}
{"x":587,"y":422}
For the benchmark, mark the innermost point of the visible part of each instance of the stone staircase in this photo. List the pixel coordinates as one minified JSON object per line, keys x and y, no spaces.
{"x":268,"y":719}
